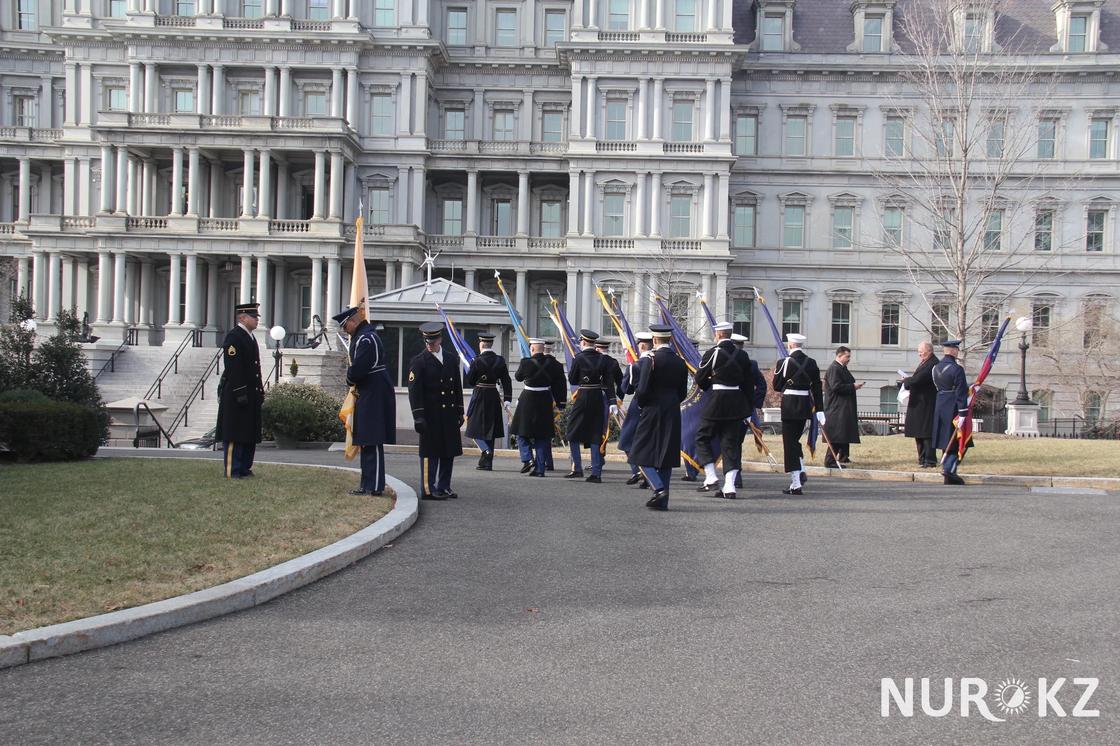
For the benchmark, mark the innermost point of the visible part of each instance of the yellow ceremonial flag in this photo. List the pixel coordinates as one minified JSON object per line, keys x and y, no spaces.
{"x":359,"y":296}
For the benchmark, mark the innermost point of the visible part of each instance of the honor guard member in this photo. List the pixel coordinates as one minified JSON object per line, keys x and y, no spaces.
{"x":591,"y":372}
{"x":952,"y":401}
{"x":799,"y":380}
{"x":662,"y":386}
{"x":375,"y":409}
{"x":561,"y":378}
{"x":240,"y":393}
{"x":435,"y":393}
{"x":630,"y":379}
{"x":758,"y":397}
{"x":612,"y":387}
{"x":533,"y":420}
{"x":724,"y":373}
{"x":485,"y":422}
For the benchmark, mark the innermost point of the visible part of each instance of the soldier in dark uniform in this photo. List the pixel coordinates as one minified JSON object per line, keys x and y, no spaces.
{"x":630,"y":379}
{"x":533,"y":420}
{"x":587,"y":415}
{"x":558,"y":373}
{"x":485,"y":422}
{"x":952,"y":401}
{"x":435,"y":393}
{"x":662,"y":386}
{"x":724,"y":373}
{"x":920,"y":405}
{"x":758,"y":395}
{"x":799,"y":380}
{"x":240,"y":393}
{"x":375,"y":410}
{"x":612,"y":389}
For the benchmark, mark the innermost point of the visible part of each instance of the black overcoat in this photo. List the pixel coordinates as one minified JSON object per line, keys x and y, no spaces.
{"x":799,"y":372}
{"x":840,"y":411}
{"x":534,"y":418}
{"x":240,"y":389}
{"x":662,"y":386}
{"x":592,"y":372}
{"x":435,"y":393}
{"x":726,"y":365}
{"x":484,"y":413}
{"x":923,"y":398}
{"x":630,"y":379}
{"x":952,"y":399}
{"x":375,"y":411}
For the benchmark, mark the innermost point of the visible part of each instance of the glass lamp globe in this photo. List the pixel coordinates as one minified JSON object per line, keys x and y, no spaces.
{"x":277,"y":333}
{"x":1024,"y":323}
{"x":28,"y":325}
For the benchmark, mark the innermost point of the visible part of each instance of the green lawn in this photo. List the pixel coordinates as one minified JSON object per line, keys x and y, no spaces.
{"x":992,"y":454}
{"x":83,"y":538}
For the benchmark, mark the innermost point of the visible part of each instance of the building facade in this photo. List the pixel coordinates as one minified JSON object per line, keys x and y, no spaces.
{"x":162,"y":159}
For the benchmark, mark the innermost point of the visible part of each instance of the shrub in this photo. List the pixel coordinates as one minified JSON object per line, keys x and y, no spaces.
{"x":49,"y":430}
{"x":23,"y":395}
{"x":303,"y":412}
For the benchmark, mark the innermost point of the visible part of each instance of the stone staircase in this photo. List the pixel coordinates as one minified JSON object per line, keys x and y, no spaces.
{"x":136,"y":369}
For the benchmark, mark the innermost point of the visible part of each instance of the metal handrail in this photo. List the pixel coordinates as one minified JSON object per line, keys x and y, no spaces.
{"x":195,"y":340}
{"x":136,"y":412}
{"x":271,"y":373}
{"x":199,"y":391}
{"x":111,"y":363}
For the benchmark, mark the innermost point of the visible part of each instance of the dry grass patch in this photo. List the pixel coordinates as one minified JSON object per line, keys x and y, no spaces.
{"x":83,"y":538}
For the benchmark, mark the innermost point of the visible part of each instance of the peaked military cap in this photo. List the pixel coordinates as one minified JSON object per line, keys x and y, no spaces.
{"x":432,"y":330}
{"x":952,"y":343}
{"x":250,"y":309}
{"x":661,"y":330}
{"x":343,"y":316}
{"x":724,"y":326}
{"x":486,"y":337}
{"x":588,"y":335}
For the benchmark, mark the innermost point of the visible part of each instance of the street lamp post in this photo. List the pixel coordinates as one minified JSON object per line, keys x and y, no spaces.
{"x":1024,"y":324}
{"x":277,"y":333}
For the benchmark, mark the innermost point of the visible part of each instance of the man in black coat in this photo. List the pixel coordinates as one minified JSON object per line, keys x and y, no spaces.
{"x":240,"y":393}
{"x":840,"y":408}
{"x":375,"y":409}
{"x":435,"y":393}
{"x":533,"y":421}
{"x":799,"y":380}
{"x":662,"y":386}
{"x":920,"y":404}
{"x":952,"y":402}
{"x":587,"y":416}
{"x":724,"y":374}
{"x":485,"y":422}
{"x":630,"y":380}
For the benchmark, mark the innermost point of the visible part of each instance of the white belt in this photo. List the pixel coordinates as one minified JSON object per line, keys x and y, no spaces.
{"x":536,"y":388}
{"x":796,"y":392}
{"x":723,"y":387}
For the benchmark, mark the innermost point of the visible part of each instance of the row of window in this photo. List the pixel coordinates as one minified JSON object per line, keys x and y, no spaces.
{"x":896,"y":137}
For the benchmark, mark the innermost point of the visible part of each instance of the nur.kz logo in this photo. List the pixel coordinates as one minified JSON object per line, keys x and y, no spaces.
{"x":1011,"y":696}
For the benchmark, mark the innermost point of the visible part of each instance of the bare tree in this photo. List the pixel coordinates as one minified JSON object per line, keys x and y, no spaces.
{"x":959,"y":167}
{"x":1079,"y":356}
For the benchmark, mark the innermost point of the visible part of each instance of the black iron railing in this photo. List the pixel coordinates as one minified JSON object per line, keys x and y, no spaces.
{"x":147,"y":434}
{"x":111,"y":364}
{"x":198,"y":392}
{"x":194,"y":339}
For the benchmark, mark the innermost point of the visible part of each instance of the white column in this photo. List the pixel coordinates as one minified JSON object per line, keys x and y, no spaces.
{"x":470,"y":279}
{"x":422,"y":14}
{"x":174,"y":289}
{"x":104,"y":286}
{"x":352,"y":100}
{"x":245,"y":294}
{"x":720,"y":292}
{"x":24,"y":190}
{"x":247,"y":185}
{"x":709,"y":109}
{"x":23,"y":275}
{"x":282,"y":190}
{"x":417,"y":201}
{"x":725,"y":109}
{"x":264,"y":189}
{"x":723,"y":200}
{"x":54,"y":284}
{"x":659,"y":18}
{"x":333,"y":267}
{"x":263,"y":292}
{"x":592,"y":114}
{"x":285,"y":90}
{"x":655,"y":205}
{"x":472,"y":203}
{"x":106,"y":178}
{"x":521,"y":292}
{"x":132,"y":293}
{"x":336,"y":92}
{"x":643,"y":14}
{"x":593,"y":14}
{"x":193,"y":182}
{"x":706,"y":291}
{"x":406,"y":274}
{"x":316,"y":288}
{"x":269,"y":102}
{"x":147,"y":292}
{"x":588,"y":193}
{"x":151,"y":87}
{"x":85,"y":96}
{"x":706,"y":206}
{"x":571,"y":297}
{"x":212,"y":312}
{"x":320,"y":184}
{"x":135,"y":87}
{"x":202,"y":99}
{"x":279,"y":291}
{"x":522,"y":204}
{"x":336,"y":189}
{"x":118,"y":286}
{"x":337,"y":9}
{"x":121,"y":180}
{"x":640,"y":206}
{"x":147,"y":194}
{"x":576,"y":125}
{"x":214,"y":193}
{"x":218,"y":93}
{"x":68,"y":279}
{"x":71,"y":114}
{"x":574,"y":179}
{"x":134,"y":186}
{"x":191,"y":315}
{"x":404,"y":116}
{"x":643,"y":94}
{"x":658,"y":94}
{"x":177,"y":181}
{"x":390,"y":272}
{"x":38,"y":283}
{"x":81,"y":287}
{"x":586,"y":295}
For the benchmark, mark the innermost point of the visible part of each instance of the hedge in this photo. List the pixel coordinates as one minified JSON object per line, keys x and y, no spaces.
{"x":49,"y":430}
{"x":302,"y":412}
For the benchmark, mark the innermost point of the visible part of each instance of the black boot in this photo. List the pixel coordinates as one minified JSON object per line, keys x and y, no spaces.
{"x":952,"y":479}
{"x":634,"y":479}
{"x":574,"y":474}
{"x":485,"y":461}
{"x":526,"y":467}
{"x":659,"y":501}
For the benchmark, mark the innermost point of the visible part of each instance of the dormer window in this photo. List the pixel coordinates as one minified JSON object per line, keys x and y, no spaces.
{"x":973,"y":36}
{"x":1078,"y":23}
{"x":873,"y":21}
{"x":974,"y":27}
{"x":775,"y":26}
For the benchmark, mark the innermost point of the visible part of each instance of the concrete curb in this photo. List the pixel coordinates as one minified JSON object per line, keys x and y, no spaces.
{"x":128,"y":624}
{"x":875,"y":475}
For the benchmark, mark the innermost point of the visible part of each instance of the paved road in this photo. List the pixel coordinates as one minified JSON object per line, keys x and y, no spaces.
{"x":542,"y":611}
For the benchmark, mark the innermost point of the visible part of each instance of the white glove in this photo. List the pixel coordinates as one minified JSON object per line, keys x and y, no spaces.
{"x":820,"y":418}
{"x":614,"y":410}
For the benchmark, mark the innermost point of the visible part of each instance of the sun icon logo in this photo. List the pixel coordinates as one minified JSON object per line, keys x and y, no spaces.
{"x":1012,"y":696}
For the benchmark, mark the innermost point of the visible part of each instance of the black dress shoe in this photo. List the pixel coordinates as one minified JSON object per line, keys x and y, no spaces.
{"x":644,"y":484}
{"x":434,"y":496}
{"x":450,"y":495}
{"x":713,"y":487}
{"x":953,"y":479}
{"x":690,"y":478}
{"x":594,"y":479}
{"x":526,"y":467}
{"x":574,"y":474}
{"x":792,"y":491}
{"x":634,"y":479}
{"x":376,"y":493}
{"x":358,"y":492}
{"x":536,"y":473}
{"x":659,"y":501}
{"x":804,"y":477}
